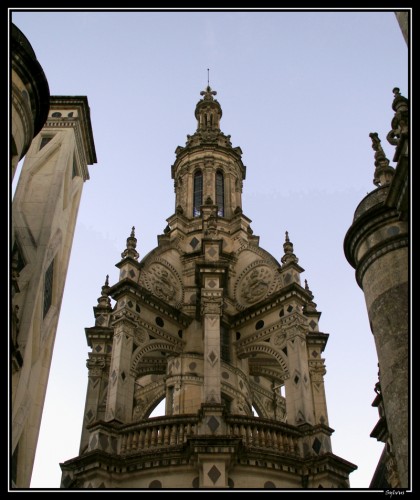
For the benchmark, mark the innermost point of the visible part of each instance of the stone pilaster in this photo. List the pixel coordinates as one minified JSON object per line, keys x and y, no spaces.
{"x":299,"y":400}
{"x":211,"y":310}
{"x":121,"y":381}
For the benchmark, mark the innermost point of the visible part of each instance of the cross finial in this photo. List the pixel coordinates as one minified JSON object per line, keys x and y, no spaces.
{"x":208,"y":77}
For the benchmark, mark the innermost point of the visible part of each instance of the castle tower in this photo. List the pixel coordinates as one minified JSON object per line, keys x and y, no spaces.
{"x":44,"y":215}
{"x":222,"y":331}
{"x":376,"y":246}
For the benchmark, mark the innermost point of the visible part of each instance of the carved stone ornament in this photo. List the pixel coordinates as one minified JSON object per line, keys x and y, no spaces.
{"x":254,"y":284}
{"x":163,"y":282}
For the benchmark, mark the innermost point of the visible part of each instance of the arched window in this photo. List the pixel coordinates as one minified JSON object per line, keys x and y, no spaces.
{"x":198,"y":193}
{"x":220,"y":194}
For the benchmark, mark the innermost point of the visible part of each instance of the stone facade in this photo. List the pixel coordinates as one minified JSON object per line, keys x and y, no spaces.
{"x":53,"y":135}
{"x":377,"y":246}
{"x":220,"y":329}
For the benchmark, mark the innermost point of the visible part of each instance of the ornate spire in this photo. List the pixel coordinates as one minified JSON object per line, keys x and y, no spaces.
{"x":309,"y":306}
{"x":399,"y":122}
{"x":131,"y":251}
{"x":288,"y":256}
{"x":104,"y":302}
{"x":383,"y":171}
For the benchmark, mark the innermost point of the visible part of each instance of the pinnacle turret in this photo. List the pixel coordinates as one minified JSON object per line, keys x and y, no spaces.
{"x":383,"y":171}
{"x":399,"y":122}
{"x":131,"y":251}
{"x":288,"y":256}
{"x":310,"y":306}
{"x":208,"y":111}
{"x":104,"y":302}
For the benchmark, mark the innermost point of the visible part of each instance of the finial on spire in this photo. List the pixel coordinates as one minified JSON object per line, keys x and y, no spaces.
{"x":396,"y":92}
{"x":383,"y":172}
{"x":130,"y":251}
{"x":309,"y":306}
{"x":399,"y":123}
{"x":104,"y":302}
{"x":208,"y":93}
{"x":288,"y":256}
{"x":208,"y":77}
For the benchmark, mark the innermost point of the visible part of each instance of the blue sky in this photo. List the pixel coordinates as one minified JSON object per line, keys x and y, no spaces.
{"x":300,"y":92}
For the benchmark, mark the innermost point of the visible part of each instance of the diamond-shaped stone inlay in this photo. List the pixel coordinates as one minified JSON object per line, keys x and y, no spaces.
{"x":123,"y":273}
{"x":108,"y":348}
{"x":131,"y":273}
{"x":212,"y":283}
{"x":98,"y":348}
{"x":137,"y":308}
{"x":288,"y":278}
{"x":100,"y":320}
{"x":89,"y":414}
{"x":212,"y":357}
{"x":289,"y":308}
{"x":316,"y":445}
{"x":296,"y":379}
{"x":214,"y":474}
{"x":176,"y":363}
{"x":130,"y":304}
{"x":212,"y":252}
{"x":312,"y":324}
{"x":123,"y":376}
{"x":213,"y":423}
{"x":314,"y":354}
{"x":194,"y":242}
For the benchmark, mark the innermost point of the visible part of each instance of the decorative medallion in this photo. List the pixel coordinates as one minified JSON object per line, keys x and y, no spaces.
{"x":254,"y":284}
{"x":163,"y":281}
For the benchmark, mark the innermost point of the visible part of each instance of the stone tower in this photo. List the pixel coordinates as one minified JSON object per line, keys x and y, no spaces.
{"x":44,"y":216}
{"x":377,"y":247}
{"x":220,"y":329}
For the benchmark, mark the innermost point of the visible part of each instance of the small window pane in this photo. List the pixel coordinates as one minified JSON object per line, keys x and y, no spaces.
{"x":198,"y":194}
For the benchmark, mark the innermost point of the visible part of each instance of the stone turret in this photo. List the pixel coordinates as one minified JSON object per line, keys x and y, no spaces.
{"x":376,"y":246}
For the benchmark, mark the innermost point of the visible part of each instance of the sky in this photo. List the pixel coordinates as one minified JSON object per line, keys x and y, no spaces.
{"x":300,"y":92}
